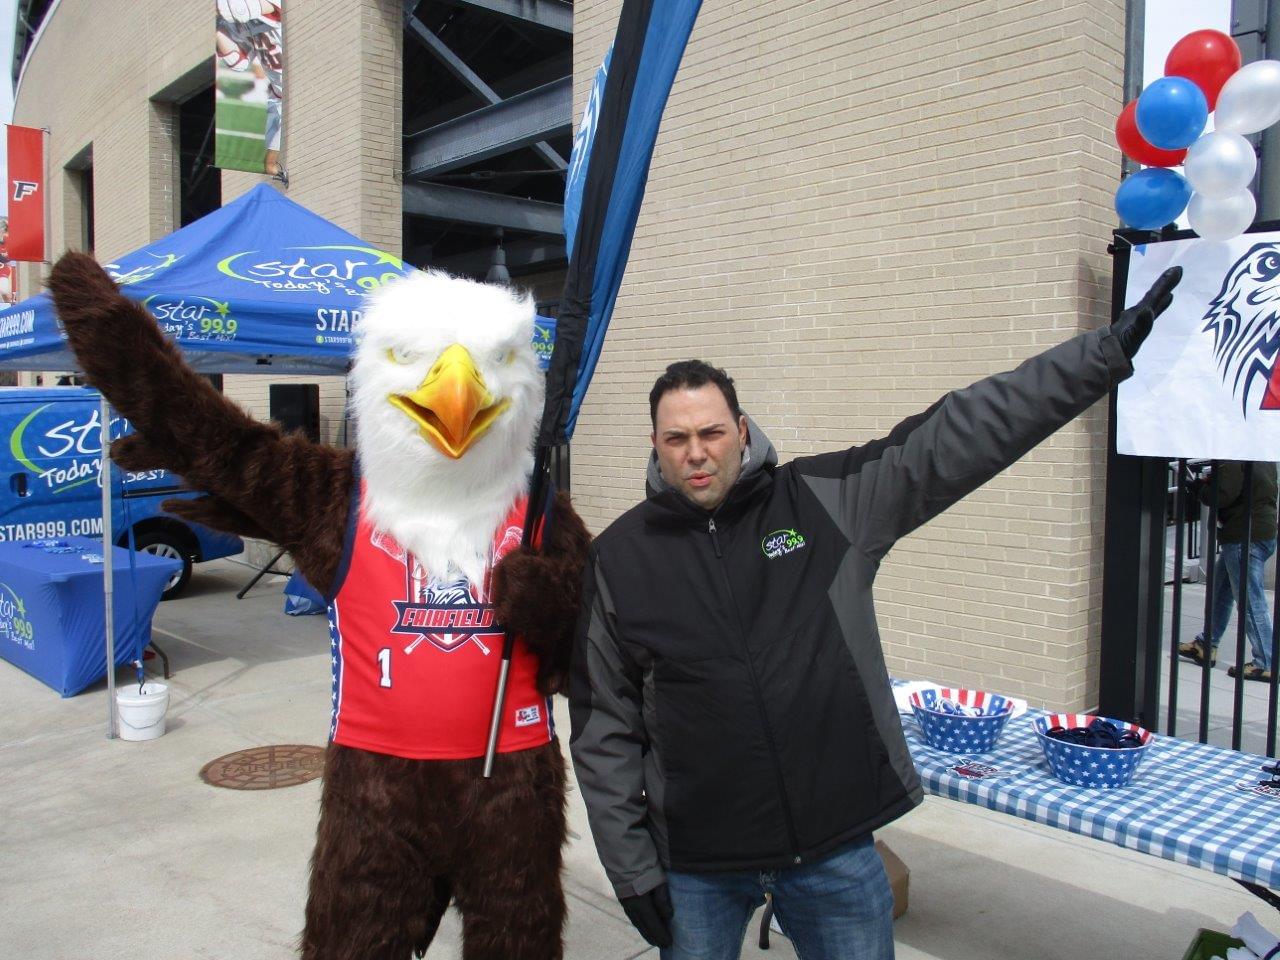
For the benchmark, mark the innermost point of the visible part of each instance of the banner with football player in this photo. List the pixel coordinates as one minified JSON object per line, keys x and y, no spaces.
{"x":1207,"y":382}
{"x":26,"y":194}
{"x":250,"y":85}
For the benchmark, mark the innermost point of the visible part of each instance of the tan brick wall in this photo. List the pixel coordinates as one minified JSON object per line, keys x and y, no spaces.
{"x":855,"y":207}
{"x":92,"y":80}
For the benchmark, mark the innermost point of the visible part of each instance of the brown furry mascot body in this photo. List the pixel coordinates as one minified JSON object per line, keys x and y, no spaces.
{"x":398,"y":838}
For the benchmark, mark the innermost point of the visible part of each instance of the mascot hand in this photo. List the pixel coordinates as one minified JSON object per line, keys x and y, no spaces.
{"x":1132,"y":326}
{"x":536,"y":594}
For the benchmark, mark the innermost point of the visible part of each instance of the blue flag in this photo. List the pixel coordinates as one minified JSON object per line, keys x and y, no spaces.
{"x":607,"y":175}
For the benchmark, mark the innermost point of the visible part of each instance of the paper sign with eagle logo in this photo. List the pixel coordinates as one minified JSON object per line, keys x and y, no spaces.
{"x":1206,"y":383}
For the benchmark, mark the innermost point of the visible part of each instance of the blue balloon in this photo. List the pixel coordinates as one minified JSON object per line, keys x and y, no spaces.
{"x":1172,"y":113}
{"x":1150,"y":198}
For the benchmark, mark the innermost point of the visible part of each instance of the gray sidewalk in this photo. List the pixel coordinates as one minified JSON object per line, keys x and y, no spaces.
{"x":118,"y":851}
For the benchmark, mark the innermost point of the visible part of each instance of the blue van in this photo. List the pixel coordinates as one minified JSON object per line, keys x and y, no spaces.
{"x":50,"y":487}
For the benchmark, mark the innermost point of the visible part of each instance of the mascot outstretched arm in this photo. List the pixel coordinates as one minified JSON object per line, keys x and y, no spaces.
{"x":284,"y":489}
{"x":414,"y":538}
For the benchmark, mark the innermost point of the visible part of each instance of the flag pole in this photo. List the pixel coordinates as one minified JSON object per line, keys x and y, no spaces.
{"x":609,"y":165}
{"x":107,"y":562}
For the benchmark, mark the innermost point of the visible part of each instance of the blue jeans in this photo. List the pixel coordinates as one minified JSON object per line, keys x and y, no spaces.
{"x":838,"y":908}
{"x":1226,"y":587}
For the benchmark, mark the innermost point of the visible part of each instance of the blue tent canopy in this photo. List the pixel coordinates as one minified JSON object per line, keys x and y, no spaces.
{"x":261,"y":285}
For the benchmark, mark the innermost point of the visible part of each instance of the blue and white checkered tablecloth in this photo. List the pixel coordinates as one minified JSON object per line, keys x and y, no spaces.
{"x":1183,"y":804}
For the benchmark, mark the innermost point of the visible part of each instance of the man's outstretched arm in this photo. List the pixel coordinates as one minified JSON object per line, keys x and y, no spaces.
{"x":881,"y":491}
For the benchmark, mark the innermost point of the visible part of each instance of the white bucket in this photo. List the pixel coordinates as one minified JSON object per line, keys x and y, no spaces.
{"x":142,"y":712}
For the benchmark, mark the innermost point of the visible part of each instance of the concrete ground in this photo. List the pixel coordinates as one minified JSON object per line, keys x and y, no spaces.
{"x":118,"y":850}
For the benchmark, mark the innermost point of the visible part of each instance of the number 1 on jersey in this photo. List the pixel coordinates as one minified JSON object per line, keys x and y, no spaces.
{"x":384,"y":658}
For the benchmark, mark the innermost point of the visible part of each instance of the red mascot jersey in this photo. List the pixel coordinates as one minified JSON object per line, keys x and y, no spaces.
{"x":416,"y":657}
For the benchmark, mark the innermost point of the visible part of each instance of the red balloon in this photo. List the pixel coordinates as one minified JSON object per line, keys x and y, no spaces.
{"x":1207,"y":58}
{"x":1136,"y":147}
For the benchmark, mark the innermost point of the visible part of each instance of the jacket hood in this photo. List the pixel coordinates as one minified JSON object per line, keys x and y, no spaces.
{"x":758,"y":462}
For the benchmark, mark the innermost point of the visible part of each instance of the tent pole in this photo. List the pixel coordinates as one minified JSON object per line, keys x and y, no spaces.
{"x":107,"y":558}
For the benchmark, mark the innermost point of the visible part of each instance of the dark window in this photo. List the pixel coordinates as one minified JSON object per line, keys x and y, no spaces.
{"x":86,"y":208}
{"x":199,"y":182}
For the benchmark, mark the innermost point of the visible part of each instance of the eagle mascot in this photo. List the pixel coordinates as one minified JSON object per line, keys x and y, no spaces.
{"x":415,"y":540}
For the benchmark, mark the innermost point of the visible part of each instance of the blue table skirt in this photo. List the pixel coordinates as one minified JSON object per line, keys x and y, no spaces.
{"x":52,"y":622}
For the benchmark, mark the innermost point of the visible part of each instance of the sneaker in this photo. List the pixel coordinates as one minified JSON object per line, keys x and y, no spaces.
{"x":1252,"y":672}
{"x":1195,"y":651}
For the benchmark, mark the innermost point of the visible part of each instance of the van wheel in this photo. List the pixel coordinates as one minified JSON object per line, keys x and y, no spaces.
{"x":164,"y":544}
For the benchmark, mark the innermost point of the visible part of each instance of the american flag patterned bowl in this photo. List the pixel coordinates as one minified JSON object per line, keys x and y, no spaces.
{"x":955,"y":732}
{"x":1082,"y":766}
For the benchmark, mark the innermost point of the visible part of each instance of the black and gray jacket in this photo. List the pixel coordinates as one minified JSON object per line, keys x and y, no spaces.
{"x":730,"y":703}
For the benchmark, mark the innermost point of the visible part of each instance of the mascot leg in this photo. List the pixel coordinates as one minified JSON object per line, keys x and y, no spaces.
{"x":507,"y":885}
{"x":377,"y":890}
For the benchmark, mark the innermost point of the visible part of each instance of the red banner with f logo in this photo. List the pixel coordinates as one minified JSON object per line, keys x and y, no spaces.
{"x":26,"y":194}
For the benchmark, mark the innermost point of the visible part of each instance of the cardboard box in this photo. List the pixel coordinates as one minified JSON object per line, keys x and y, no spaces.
{"x":899,"y":877}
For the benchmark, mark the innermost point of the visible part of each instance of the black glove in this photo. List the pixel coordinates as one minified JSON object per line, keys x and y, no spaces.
{"x":1132,"y":326}
{"x":650,"y":913}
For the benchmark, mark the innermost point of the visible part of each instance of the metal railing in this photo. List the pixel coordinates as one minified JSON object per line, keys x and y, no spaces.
{"x":1140,"y":670}
{"x":1187,"y":483}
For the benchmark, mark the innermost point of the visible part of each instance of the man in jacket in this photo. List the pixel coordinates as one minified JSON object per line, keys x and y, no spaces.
{"x":1234,"y":513}
{"x":734,"y":732}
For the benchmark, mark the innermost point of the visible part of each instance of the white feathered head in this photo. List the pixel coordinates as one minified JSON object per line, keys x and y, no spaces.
{"x":447,"y":395}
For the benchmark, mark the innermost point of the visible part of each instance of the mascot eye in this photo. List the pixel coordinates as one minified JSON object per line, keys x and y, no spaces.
{"x":401,"y":356}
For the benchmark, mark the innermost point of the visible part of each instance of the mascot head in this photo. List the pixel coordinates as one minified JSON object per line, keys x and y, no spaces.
{"x":447,"y":394}
{"x":1244,"y":319}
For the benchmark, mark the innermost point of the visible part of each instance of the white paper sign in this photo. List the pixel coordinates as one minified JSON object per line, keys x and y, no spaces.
{"x":1206,"y":383}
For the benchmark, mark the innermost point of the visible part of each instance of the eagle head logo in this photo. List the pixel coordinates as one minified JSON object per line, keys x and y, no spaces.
{"x":1244,"y":319}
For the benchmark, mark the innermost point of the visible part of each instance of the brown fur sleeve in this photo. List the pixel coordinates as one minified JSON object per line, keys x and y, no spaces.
{"x":537,"y":594}
{"x":293,"y":491}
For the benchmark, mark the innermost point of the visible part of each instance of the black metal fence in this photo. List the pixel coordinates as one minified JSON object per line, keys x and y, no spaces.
{"x":1153,"y":508}
{"x":1188,"y":485}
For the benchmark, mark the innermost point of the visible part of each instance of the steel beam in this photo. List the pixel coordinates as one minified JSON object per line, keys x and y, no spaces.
{"x":521,"y":254}
{"x":1269,"y":165}
{"x":516,"y":122}
{"x":549,"y":14}
{"x":1134,"y":39}
{"x":470,"y":79}
{"x":483,"y":209}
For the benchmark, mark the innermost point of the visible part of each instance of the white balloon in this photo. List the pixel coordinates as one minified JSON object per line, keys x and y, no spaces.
{"x":1250,"y":100}
{"x":1223,"y":219}
{"x":1220,"y":165}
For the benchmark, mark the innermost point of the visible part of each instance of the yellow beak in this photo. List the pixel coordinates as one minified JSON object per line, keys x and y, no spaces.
{"x":452,"y":407}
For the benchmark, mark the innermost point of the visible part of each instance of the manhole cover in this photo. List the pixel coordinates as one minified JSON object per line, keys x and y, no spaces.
{"x":265,"y":768}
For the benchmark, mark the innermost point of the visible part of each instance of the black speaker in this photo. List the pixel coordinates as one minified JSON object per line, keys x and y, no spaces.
{"x":296,"y":406}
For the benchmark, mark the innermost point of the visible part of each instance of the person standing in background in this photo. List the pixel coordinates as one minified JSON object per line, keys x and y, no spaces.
{"x":1233,"y":511}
